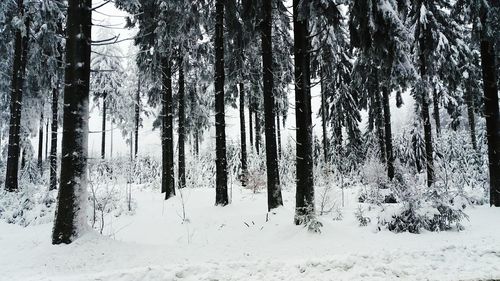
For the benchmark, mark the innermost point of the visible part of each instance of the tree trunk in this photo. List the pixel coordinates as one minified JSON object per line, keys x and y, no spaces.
{"x":70,"y":213}
{"x":437,"y":117}
{"x":40,"y":144}
{"x":243,"y":140}
{"x":195,"y":121}
{"x":18,"y":73}
{"x":257,"y":131}
{"x":167,"y":143}
{"x":103,"y":130}
{"x":137,"y":116}
{"x":182,"y":127}
{"x":46,"y":139}
{"x":53,"y":139}
{"x":274,"y":198}
{"x":323,"y":118}
{"x":491,"y":113}
{"x":250,"y":125}
{"x":304,"y":207}
{"x":471,"y":117}
{"x":425,"y":114}
{"x":388,"y":133}
{"x":221,"y":195}
{"x":278,"y":130}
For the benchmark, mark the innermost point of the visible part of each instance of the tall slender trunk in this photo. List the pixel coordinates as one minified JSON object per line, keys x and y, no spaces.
{"x":425,"y":113}
{"x":304,"y":205}
{"x":197,"y":141}
{"x":53,"y":138}
{"x":221,"y":195}
{"x":16,"y":98}
{"x":388,"y":132}
{"x":471,"y":117}
{"x":274,"y":198}
{"x":379,"y":124}
{"x":437,"y":117}
{"x":250,"y":125}
{"x":194,"y":116}
{"x":278,"y":130}
{"x":182,"y":126}
{"x":323,"y":117}
{"x":243,"y":139}
{"x":137,"y":116}
{"x":167,"y":143}
{"x":257,"y":131}
{"x":46,"y":139}
{"x":40,"y":144}
{"x":103,"y":129}
{"x":70,"y":213}
{"x":491,"y":111}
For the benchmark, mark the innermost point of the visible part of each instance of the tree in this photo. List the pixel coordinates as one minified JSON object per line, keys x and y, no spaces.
{"x":70,"y":215}
{"x":221,"y":195}
{"x":18,"y":75}
{"x":274,"y":198}
{"x":182,"y":126}
{"x":304,"y":197}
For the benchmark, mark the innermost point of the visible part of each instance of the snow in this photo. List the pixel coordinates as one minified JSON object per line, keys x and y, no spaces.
{"x":242,"y":242}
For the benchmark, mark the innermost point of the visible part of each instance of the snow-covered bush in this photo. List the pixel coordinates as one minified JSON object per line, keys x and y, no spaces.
{"x":431,"y":210}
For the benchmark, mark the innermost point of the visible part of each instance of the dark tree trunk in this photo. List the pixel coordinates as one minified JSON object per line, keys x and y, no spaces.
{"x":197,"y":142}
{"x":221,"y":195}
{"x":192,"y":97}
{"x":72,"y":192}
{"x":257,"y":130}
{"x":278,"y":130}
{"x":388,"y":133}
{"x":250,"y":125}
{"x":304,"y":207}
{"x":425,"y":113}
{"x":379,"y":125}
{"x":437,"y":117}
{"x":18,"y":73}
{"x":243,"y":135}
{"x":490,"y":87}
{"x":40,"y":144}
{"x":53,"y":139}
{"x":323,"y":118}
{"x":274,"y":198}
{"x":137,"y":116}
{"x":46,"y":139}
{"x":103,"y":133}
{"x":167,"y":140}
{"x":182,"y":126}
{"x":470,"y":114}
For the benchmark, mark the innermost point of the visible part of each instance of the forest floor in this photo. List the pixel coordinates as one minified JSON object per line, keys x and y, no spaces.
{"x":240,"y":242}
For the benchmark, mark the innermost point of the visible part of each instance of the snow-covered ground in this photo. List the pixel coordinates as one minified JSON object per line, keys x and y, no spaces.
{"x":240,"y":242}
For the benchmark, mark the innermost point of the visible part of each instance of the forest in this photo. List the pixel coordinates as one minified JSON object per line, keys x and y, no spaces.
{"x":250,"y":139}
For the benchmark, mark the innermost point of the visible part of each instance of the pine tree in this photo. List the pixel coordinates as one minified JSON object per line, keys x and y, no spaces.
{"x":70,"y":214}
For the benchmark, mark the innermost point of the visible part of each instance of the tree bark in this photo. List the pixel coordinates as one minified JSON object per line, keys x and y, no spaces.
{"x":257,"y":130}
{"x":426,"y":120}
{"x":437,"y":117}
{"x":274,"y":198}
{"x":243,"y":140}
{"x":137,"y":116}
{"x":250,"y":125}
{"x":323,"y":118}
{"x":388,"y":133}
{"x":471,"y":117}
{"x":491,"y":112}
{"x":304,"y":206}
{"x":53,"y":139}
{"x":103,"y":128}
{"x":278,"y":130}
{"x":40,"y":144}
{"x":18,"y":74}
{"x":182,"y":126}
{"x":70,"y":215}
{"x":221,"y":195}
{"x":46,"y":139}
{"x":167,"y":143}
